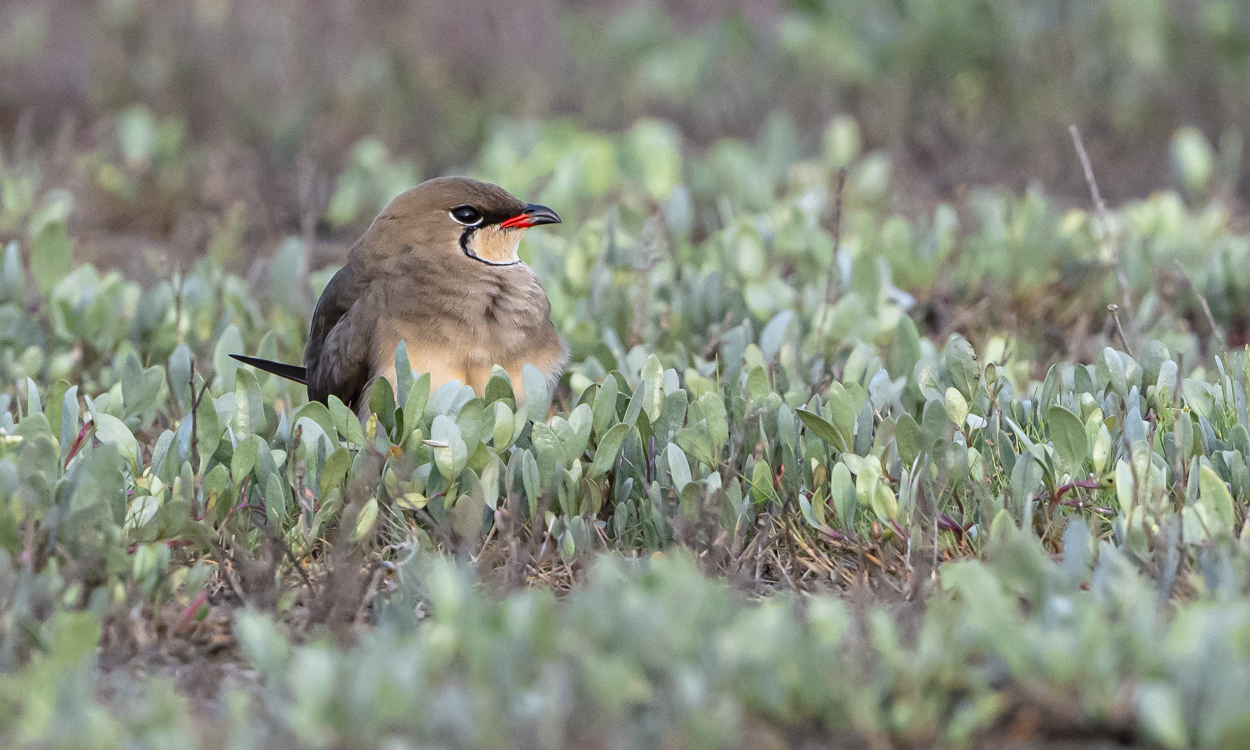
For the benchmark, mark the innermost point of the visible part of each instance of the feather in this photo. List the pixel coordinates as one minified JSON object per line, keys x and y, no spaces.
{"x":282,"y":370}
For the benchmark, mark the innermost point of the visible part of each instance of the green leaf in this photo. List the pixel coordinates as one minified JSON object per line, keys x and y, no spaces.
{"x":609,"y":447}
{"x":1214,"y":494}
{"x":230,"y":342}
{"x":1111,"y":368}
{"x":961,"y":366}
{"x":66,"y":416}
{"x":694,"y":441}
{"x":604,"y":410}
{"x":34,"y":404}
{"x":956,"y":407}
{"x":774,"y":334}
{"x":244,"y":458}
{"x":382,"y":403}
{"x":334,"y":471}
{"x":529,"y":478}
{"x":717,"y":420}
{"x":634,"y":408}
{"x":12,"y":278}
{"x":548,"y":450}
{"x":761,"y":482}
{"x":112,"y":431}
{"x":412,"y":501}
{"x":132,"y":383}
{"x":884,"y":504}
{"x":571,"y":447}
{"x":909,"y":440}
{"x":345,"y":422}
{"x":476,"y":420}
{"x":276,"y":499}
{"x":451,"y":455}
{"x":490,"y":481}
{"x":813,"y":516}
{"x":1161,"y":715}
{"x":1068,"y":434}
{"x":866,"y":481}
{"x":249,"y":404}
{"x":842,"y":494}
{"x":843,"y":413}
{"x":179,"y":367}
{"x":678,"y":466}
{"x":581,"y":421}
{"x":537,"y":397}
{"x":51,"y":255}
{"x":466,"y":517}
{"x":403,"y":373}
{"x":317,"y":412}
{"x":822,"y":429}
{"x":208,"y":430}
{"x":499,"y":387}
{"x":418,"y":395}
{"x":904,"y":349}
{"x":365,"y":520}
{"x":652,"y":388}
{"x":505,"y":424}
{"x":757,"y":384}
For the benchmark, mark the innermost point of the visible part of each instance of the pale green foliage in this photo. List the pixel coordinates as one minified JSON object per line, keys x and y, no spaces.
{"x":132,"y":446}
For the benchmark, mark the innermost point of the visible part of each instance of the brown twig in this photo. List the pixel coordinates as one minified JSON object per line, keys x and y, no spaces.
{"x":839,"y":188}
{"x":1108,"y":237}
{"x":295,"y":561}
{"x":370,"y":592}
{"x":195,"y":451}
{"x":228,"y":573}
{"x":643,"y":269}
{"x":1114,"y":309}
{"x":1202,"y":301}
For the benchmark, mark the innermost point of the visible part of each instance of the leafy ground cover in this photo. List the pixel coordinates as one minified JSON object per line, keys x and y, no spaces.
{"x":267,"y":102}
{"x":955,"y":544}
{"x":838,"y":462}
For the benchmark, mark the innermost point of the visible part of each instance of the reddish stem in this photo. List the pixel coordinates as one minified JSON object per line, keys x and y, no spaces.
{"x":199,"y":601}
{"x":1088,"y":484}
{"x":947,"y":523}
{"x":77,"y":444}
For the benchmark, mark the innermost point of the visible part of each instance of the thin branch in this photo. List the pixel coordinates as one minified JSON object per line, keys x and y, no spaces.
{"x":1216,"y":333}
{"x":839,"y":188}
{"x":649,"y":252}
{"x":1114,"y":309}
{"x":295,"y":561}
{"x":194,"y":404}
{"x":1108,"y":236}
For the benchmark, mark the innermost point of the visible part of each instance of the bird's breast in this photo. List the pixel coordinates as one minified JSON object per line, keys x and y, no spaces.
{"x":462,"y":328}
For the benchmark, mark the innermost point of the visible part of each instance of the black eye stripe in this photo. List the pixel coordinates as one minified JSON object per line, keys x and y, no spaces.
{"x":476,"y":217}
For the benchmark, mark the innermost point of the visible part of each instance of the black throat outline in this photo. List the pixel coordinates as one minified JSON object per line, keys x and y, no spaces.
{"x":464,"y":246}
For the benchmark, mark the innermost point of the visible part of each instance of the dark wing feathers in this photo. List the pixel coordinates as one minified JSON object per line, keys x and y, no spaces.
{"x":345,"y":365}
{"x":337,"y":361}
{"x":338,"y":358}
{"x":339,"y":295}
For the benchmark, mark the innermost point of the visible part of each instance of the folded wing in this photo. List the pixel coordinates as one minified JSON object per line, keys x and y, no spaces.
{"x":339,"y":357}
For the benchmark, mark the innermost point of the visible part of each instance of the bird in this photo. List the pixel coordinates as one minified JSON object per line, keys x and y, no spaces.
{"x":437,"y":269}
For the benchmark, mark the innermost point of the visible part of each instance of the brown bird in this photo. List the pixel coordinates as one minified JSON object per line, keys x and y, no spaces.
{"x":437,"y":269}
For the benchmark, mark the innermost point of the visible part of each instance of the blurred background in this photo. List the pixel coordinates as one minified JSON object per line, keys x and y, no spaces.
{"x":166,"y":131}
{"x":259,"y":102}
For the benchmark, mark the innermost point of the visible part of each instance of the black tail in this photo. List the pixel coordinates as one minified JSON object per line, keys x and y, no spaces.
{"x":290,"y":372}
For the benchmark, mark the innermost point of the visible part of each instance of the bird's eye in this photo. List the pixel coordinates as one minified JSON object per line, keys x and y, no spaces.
{"x":467,"y":215}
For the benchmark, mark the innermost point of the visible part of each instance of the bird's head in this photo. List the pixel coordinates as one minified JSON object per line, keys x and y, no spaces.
{"x":480,"y":221}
